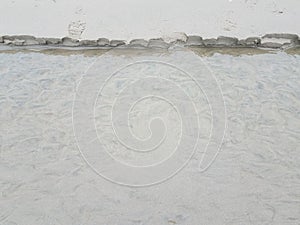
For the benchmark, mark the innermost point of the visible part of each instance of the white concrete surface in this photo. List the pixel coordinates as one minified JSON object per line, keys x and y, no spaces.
{"x":116,"y":19}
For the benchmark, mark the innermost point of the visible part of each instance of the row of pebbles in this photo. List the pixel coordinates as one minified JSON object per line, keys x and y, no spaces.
{"x":274,"y":41}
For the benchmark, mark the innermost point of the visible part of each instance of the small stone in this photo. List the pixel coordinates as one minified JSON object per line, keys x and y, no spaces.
{"x":8,"y":38}
{"x":70,"y":42}
{"x":53,"y":41}
{"x":194,"y":41}
{"x":175,"y":37}
{"x":210,"y":42}
{"x":12,"y":40}
{"x":18,"y":42}
{"x":23,"y":37}
{"x":226,"y":41}
{"x":140,"y":43}
{"x":103,"y":42}
{"x":115,"y":43}
{"x":250,"y":42}
{"x":178,"y":43}
{"x":270,"y":45}
{"x":282,"y":36}
{"x":92,"y":43}
{"x":31,"y":42}
{"x":7,"y":42}
{"x":253,"y":41}
{"x":158,"y":43}
{"x":276,"y":40}
{"x":28,"y":39}
{"x":285,"y":40}
{"x":41,"y":41}
{"x":242,"y":42}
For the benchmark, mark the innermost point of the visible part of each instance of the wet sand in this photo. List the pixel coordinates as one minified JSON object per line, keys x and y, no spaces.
{"x":201,"y":51}
{"x":254,"y":180}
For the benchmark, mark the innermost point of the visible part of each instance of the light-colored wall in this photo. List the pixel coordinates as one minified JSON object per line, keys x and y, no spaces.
{"x":128,"y":19}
